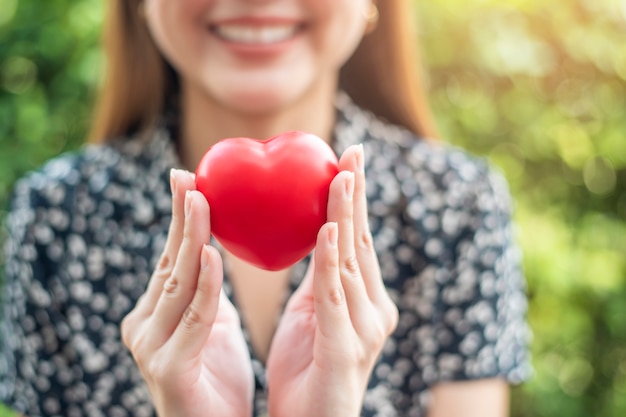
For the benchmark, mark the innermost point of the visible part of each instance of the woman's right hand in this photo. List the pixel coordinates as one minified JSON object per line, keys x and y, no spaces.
{"x":184,"y":334}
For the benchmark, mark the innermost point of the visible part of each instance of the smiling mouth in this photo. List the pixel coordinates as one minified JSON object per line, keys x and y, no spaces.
{"x":256,"y":34}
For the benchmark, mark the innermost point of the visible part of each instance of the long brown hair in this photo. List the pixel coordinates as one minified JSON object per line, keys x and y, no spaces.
{"x":382,"y":76}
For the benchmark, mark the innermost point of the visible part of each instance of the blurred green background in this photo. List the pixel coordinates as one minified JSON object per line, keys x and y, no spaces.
{"x":538,"y":86}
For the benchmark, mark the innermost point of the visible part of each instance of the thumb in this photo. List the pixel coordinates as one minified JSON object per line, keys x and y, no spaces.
{"x":226,"y":312}
{"x":303,"y":295}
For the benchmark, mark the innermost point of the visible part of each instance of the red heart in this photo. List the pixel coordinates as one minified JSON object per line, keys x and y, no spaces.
{"x":268,"y":199}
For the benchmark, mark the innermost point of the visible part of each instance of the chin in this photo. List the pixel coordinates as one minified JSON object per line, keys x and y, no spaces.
{"x":260,"y":103}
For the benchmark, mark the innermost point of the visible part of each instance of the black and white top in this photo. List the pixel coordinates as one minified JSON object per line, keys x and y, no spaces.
{"x":85,"y":232}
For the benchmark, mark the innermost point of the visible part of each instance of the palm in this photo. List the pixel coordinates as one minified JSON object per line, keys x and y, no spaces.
{"x":291,"y":359}
{"x":222,"y":374}
{"x":301,"y":358}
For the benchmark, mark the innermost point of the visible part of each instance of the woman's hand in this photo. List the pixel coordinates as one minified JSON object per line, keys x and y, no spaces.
{"x":336,"y":323}
{"x":184,"y":333}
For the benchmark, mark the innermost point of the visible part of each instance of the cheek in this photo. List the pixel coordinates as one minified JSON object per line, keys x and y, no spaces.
{"x":344,"y":29}
{"x":161,"y":16}
{"x":175,"y":26}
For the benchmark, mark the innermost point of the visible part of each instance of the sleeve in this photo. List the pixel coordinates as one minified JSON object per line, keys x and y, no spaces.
{"x":30,"y":342}
{"x":479,"y":317}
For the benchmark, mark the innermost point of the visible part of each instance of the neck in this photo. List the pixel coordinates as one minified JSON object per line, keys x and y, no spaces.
{"x":205,"y":122}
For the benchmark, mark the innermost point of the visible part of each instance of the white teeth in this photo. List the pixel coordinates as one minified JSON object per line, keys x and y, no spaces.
{"x":253,"y":34}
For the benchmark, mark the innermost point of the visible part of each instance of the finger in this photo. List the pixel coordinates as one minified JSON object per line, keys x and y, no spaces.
{"x":331,"y":309}
{"x":196,"y":324}
{"x":340,"y":210}
{"x":180,"y":182}
{"x":180,"y":287}
{"x":353,"y":160}
{"x":304,"y":290}
{"x":227,"y":313}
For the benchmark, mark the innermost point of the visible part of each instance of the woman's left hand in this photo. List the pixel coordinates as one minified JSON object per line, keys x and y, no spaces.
{"x":336,"y":323}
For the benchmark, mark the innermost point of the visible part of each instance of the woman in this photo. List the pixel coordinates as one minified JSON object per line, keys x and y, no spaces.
{"x":412,"y":303}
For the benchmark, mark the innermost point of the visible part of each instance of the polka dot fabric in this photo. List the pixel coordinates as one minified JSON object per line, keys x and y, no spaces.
{"x":85,"y":231}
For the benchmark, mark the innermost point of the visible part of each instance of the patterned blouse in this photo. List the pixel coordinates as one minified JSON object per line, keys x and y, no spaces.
{"x":86,"y":230}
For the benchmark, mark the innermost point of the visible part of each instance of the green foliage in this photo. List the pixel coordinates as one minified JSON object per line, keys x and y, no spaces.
{"x":49,"y":67}
{"x":538,"y":86}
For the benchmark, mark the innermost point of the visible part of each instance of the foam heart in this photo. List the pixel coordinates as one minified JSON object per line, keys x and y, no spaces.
{"x":268,"y":198}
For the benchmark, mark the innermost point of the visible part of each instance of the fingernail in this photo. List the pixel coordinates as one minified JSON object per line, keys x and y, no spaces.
{"x":332,"y":234}
{"x":204,"y":257}
{"x":349,"y":185}
{"x":187,"y":203}
{"x":359,"y":158}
